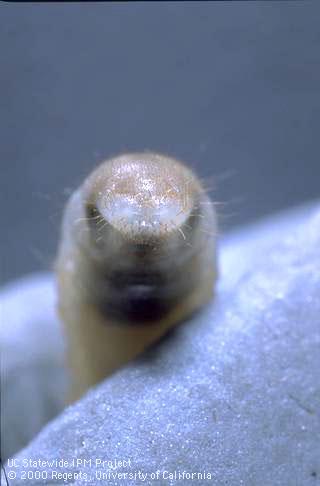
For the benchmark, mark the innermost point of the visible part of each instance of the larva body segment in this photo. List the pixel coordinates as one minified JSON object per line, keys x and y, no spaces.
{"x":137,"y":255}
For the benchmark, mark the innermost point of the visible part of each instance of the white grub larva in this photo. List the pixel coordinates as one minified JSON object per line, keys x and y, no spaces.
{"x":137,"y":255}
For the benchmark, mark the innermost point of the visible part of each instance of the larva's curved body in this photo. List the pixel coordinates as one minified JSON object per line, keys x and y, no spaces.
{"x":137,"y":255}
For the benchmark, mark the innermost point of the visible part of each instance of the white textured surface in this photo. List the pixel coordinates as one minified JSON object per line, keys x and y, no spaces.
{"x":32,"y":350}
{"x":235,"y":392}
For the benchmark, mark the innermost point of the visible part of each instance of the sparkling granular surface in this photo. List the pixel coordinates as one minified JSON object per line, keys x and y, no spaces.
{"x":234,"y":392}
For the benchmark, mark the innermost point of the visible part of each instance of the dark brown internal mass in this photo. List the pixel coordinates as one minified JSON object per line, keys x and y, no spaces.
{"x":139,"y":304}
{"x":141,"y":297}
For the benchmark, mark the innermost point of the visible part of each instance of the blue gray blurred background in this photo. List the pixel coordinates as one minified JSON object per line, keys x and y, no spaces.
{"x":231,"y":88}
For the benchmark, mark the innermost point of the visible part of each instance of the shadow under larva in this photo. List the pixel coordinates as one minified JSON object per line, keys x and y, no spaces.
{"x":137,"y":255}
